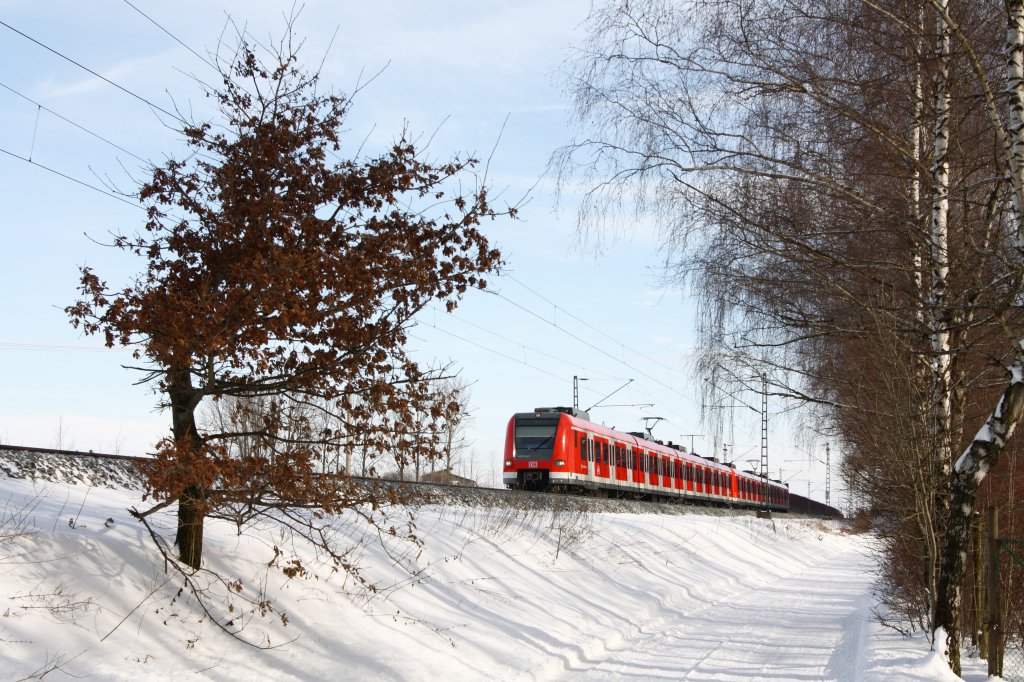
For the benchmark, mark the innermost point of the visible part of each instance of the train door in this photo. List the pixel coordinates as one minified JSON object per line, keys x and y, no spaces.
{"x":619,"y":462}
{"x":638,"y":463}
{"x":641,"y":468}
{"x":586,"y":455}
{"x":601,"y":460}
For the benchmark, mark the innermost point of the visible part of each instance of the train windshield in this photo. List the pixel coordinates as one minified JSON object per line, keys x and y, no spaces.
{"x":535,"y":437}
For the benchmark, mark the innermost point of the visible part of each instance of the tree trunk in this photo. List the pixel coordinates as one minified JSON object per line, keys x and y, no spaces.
{"x":189,"y":538}
{"x":191,"y":505}
{"x":969,"y":472}
{"x":940,"y":320}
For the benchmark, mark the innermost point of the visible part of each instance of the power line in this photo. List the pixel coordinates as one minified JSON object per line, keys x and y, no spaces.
{"x":589,"y":344}
{"x":68,"y":120}
{"x":103,"y":78}
{"x":587,"y":324}
{"x":556,"y":358}
{"x":491,"y":350}
{"x":173,"y":37}
{"x":532,"y":349}
{"x":72,"y":179}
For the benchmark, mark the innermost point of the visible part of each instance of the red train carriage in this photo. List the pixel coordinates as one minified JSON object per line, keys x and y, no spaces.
{"x":553,"y":449}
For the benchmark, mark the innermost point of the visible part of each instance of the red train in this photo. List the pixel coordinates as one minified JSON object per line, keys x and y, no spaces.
{"x":553,"y":449}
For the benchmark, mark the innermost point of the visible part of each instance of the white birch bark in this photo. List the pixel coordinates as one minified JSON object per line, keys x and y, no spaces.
{"x":924,"y":475}
{"x":983,"y":452}
{"x":939,"y":249}
{"x":939,"y":315}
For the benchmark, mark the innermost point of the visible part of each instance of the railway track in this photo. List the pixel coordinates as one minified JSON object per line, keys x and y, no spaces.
{"x":119,"y":471}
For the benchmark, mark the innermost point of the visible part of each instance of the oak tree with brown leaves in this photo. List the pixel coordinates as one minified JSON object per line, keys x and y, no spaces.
{"x":278,"y":270}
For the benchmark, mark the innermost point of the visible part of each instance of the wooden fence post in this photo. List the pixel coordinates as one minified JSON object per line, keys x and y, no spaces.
{"x":979,"y":633}
{"x":995,"y":658}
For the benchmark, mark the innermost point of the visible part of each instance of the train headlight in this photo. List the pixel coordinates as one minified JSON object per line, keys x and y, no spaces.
{"x":508,"y":462}
{"x":559,"y":462}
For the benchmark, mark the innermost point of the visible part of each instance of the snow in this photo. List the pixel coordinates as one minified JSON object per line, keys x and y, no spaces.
{"x":493,"y":592}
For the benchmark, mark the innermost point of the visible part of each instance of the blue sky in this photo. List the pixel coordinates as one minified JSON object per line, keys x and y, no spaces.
{"x":451,"y":70}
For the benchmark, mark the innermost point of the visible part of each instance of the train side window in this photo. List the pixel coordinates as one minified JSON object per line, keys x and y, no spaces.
{"x":604,"y":453}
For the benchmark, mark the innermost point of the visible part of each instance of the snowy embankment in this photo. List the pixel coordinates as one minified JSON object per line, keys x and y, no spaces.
{"x":492,"y":593}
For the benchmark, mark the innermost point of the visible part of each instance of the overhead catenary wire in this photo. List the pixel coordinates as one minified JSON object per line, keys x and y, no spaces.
{"x":120,"y":87}
{"x":587,"y":324}
{"x":491,"y":350}
{"x":172,"y":36}
{"x":70,"y":122}
{"x":591,"y":345}
{"x":72,"y":179}
{"x":638,"y":385}
{"x":525,"y":347}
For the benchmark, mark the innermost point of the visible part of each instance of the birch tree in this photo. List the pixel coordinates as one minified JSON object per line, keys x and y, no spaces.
{"x":825,"y":177}
{"x":983,"y":451}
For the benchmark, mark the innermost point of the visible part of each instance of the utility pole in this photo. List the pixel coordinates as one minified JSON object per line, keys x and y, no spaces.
{"x":764,"y":444}
{"x":576,"y":394}
{"x":828,"y":476}
{"x":764,"y":428}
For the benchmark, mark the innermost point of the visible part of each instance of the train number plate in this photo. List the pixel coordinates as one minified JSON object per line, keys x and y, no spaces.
{"x":532,"y":465}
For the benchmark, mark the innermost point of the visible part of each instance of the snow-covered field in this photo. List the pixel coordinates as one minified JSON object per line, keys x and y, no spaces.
{"x":492,"y":593}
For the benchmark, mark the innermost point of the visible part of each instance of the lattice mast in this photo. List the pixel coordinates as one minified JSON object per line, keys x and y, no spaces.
{"x":764,"y":429}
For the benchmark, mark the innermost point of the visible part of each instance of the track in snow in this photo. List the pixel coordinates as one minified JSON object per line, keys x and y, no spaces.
{"x":809,"y":625}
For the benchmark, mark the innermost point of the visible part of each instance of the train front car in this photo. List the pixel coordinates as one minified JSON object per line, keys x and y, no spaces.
{"x":535,"y":445}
